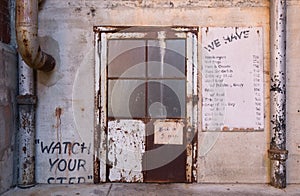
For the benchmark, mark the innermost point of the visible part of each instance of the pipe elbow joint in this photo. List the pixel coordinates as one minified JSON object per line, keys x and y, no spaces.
{"x":27,"y":39}
{"x":49,"y":64}
{"x":35,"y":58}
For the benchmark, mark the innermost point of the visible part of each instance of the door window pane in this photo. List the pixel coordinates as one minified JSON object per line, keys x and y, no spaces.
{"x":126,"y":98}
{"x":166,"y":98}
{"x":166,"y":60}
{"x":126,"y":58}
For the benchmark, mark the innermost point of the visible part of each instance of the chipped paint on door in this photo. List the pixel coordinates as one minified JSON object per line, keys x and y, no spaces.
{"x":126,"y":146}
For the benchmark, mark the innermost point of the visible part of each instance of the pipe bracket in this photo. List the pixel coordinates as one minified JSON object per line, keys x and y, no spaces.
{"x":278,"y":155}
{"x":27,"y":99}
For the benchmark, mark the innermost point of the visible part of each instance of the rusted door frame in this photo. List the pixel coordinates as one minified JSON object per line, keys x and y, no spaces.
{"x":101,"y":37}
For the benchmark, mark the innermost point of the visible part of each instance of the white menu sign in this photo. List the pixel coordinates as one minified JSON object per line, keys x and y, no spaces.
{"x":232,"y":79}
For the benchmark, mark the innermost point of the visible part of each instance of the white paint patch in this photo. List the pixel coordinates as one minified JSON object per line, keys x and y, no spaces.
{"x":126,"y":146}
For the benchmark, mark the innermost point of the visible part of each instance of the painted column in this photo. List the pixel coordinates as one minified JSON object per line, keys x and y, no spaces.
{"x":277,"y":152}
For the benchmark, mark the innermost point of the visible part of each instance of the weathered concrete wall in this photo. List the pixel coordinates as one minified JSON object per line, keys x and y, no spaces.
{"x":8,"y":90}
{"x":293,"y":93}
{"x":65,"y":113}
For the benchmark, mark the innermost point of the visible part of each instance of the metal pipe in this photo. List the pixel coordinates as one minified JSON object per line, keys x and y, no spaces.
{"x":27,"y":36}
{"x":30,"y":51}
{"x":277,"y":152}
{"x":26,"y":101}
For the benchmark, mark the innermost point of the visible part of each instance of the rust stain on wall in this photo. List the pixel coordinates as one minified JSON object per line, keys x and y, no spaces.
{"x":58,"y":113}
{"x":69,"y":149}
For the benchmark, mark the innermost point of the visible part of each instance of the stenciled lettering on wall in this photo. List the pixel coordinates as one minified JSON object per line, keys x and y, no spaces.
{"x":63,"y":167}
{"x":232,"y":79}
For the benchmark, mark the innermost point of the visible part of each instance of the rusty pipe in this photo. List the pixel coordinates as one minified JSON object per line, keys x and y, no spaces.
{"x":277,"y":152}
{"x":27,"y":36}
{"x":32,"y":55}
{"x":26,"y":126}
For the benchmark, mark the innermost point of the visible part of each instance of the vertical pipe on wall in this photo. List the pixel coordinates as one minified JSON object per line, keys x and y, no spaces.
{"x":277,"y":152}
{"x":26,"y":134}
{"x":30,"y":51}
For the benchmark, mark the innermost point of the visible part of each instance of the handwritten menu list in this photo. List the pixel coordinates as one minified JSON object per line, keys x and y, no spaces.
{"x":232,"y":79}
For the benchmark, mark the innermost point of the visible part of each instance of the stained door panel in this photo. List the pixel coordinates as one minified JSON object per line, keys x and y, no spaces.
{"x":165,"y":156}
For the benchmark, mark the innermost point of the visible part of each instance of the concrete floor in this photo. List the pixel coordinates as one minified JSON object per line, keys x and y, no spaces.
{"x":136,"y":189}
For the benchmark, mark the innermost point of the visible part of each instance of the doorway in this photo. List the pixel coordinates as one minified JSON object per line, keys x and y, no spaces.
{"x":146,"y":82}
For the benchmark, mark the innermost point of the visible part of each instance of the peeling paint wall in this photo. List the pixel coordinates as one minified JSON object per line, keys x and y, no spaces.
{"x":65,"y":113}
{"x":8,"y":90}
